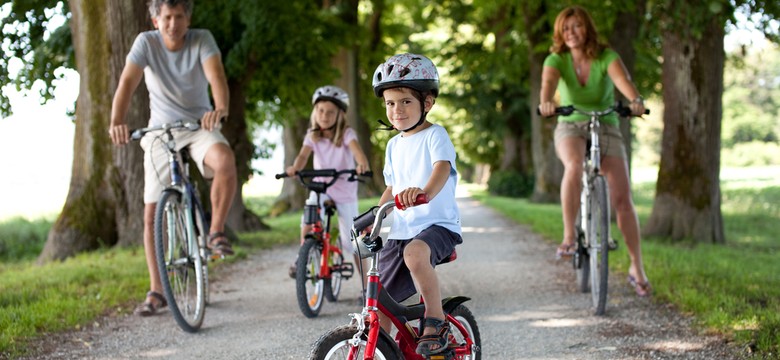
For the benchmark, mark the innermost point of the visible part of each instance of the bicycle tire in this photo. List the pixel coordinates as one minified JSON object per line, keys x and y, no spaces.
{"x":333,"y":285}
{"x":202,"y":232}
{"x":599,"y":250}
{"x":466,"y":318}
{"x":309,"y":286}
{"x":181,"y":273}
{"x":335,"y":345}
{"x":581,"y":261}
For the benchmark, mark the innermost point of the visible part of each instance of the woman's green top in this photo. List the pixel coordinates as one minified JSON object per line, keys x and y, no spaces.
{"x":598,"y":92}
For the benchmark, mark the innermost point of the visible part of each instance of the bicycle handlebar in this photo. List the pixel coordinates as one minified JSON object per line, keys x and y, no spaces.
{"x":137,"y":134}
{"x":623,"y":111}
{"x":334,"y":174}
{"x":368,"y":218}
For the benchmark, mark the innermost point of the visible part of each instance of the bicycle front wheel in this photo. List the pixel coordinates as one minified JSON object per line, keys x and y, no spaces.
{"x":309,"y":285}
{"x":179,"y":261}
{"x":336,"y":344}
{"x":333,"y":285}
{"x":598,"y":243}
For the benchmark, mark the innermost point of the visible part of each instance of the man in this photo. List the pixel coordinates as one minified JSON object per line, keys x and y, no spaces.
{"x":178,"y":64}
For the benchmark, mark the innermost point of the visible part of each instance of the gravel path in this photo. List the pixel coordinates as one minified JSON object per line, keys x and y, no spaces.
{"x":526,"y":306}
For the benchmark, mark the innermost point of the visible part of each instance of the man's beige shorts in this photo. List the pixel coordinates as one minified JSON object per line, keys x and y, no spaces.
{"x":157,"y":174}
{"x":610,"y":138}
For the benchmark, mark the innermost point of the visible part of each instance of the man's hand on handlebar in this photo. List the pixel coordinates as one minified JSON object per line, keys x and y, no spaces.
{"x":211,"y":120}
{"x":119,"y":134}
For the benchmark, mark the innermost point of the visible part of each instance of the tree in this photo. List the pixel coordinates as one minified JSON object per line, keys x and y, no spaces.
{"x":687,"y":201}
{"x":104,"y":204}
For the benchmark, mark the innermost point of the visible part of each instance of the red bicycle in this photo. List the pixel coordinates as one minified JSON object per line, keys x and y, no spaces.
{"x":363,"y":338}
{"x":320,"y":267}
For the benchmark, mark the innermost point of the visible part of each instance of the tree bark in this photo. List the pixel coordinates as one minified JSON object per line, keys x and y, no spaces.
{"x":687,"y":202}
{"x":548,"y":169}
{"x":293,"y":194}
{"x":240,"y":218}
{"x":105,"y":200}
{"x":624,"y":32}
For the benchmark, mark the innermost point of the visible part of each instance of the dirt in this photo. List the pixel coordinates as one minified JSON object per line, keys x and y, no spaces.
{"x":526,"y":305}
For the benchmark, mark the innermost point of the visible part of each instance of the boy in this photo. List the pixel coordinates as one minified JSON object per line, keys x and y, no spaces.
{"x":419,"y":160}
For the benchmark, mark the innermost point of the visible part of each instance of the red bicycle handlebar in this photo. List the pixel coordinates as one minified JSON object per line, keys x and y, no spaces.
{"x":419,"y":200}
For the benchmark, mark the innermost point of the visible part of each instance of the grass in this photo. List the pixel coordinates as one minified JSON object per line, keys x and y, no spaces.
{"x":732,"y":289}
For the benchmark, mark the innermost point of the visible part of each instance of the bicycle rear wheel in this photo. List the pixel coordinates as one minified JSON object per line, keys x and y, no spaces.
{"x":333,"y":285}
{"x":181,"y":268}
{"x":598,"y":249}
{"x":309,"y":285}
{"x":466,"y":318}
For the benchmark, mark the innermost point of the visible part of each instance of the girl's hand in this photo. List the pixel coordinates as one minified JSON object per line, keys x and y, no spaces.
{"x":637,"y":108}
{"x":291,"y":170}
{"x":362,"y":168}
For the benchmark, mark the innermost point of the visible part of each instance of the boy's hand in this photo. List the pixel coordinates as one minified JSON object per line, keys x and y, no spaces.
{"x":407,"y":197}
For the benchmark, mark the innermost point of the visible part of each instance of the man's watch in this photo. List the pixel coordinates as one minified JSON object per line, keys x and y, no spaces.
{"x":639,"y":100}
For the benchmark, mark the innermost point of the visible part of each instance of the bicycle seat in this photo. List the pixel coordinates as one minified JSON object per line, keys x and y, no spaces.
{"x":450,"y":258}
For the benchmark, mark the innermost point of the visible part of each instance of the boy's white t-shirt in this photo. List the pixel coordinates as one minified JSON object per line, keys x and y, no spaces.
{"x":409,"y":163}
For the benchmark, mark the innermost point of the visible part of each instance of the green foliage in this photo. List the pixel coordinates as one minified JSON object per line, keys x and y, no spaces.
{"x":731,"y":289}
{"x":28,"y":42}
{"x":751,"y":100}
{"x":510,"y":183}
{"x":22,"y":239}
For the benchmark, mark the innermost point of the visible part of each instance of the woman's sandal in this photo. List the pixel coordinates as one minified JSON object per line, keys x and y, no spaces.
{"x":642,"y":289}
{"x":149,"y":308}
{"x":439,"y":338}
{"x":219,"y":244}
{"x":565,"y":250}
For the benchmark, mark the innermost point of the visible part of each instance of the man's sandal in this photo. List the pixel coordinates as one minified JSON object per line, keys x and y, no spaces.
{"x":149,"y":308}
{"x":438,"y":339}
{"x":219,"y":244}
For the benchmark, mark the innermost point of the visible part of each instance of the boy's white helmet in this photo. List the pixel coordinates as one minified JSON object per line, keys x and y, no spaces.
{"x":333,"y":94}
{"x":406,"y":70}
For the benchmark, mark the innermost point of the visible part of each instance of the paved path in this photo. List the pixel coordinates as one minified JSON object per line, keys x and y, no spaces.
{"x":525,"y":303}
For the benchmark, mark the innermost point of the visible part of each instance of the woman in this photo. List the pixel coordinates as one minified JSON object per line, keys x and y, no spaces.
{"x":586,"y":72}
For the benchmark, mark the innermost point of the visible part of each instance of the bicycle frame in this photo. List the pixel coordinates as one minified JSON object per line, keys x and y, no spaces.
{"x":378,"y":300}
{"x":322,"y":233}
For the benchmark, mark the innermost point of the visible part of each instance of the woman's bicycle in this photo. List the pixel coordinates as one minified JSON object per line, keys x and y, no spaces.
{"x":181,"y":234}
{"x":363,"y":338}
{"x":320,"y":267}
{"x":592,"y":225}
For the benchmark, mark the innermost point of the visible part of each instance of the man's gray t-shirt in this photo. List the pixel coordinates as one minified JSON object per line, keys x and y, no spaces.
{"x":177,"y":84}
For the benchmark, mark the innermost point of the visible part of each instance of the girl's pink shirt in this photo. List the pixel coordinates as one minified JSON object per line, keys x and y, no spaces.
{"x":329,"y":156}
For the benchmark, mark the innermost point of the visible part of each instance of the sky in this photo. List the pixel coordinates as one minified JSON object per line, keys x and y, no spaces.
{"x":36,"y":145}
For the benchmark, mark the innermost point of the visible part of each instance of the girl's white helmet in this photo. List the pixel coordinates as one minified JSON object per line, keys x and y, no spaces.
{"x":333,"y":94}
{"x":406,"y":70}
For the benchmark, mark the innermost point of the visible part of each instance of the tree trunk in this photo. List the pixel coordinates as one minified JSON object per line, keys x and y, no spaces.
{"x":548,"y":169}
{"x":293,"y":194}
{"x":240,"y":218}
{"x":624,"y":32}
{"x":687,"y":202}
{"x":105,"y":200}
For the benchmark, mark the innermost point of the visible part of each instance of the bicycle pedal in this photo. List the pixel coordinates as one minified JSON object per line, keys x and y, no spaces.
{"x":446,"y":355}
{"x":346,"y":270}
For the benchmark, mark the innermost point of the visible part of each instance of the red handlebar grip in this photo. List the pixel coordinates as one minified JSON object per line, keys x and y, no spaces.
{"x":419,"y":200}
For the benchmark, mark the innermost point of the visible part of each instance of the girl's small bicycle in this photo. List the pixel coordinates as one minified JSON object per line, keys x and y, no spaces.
{"x":592,"y":225}
{"x":320,"y":267}
{"x":363,"y":338}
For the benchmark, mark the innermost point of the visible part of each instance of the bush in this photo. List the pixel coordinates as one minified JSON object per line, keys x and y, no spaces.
{"x":754,"y":153}
{"x":511,"y":183}
{"x":21,"y":239}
